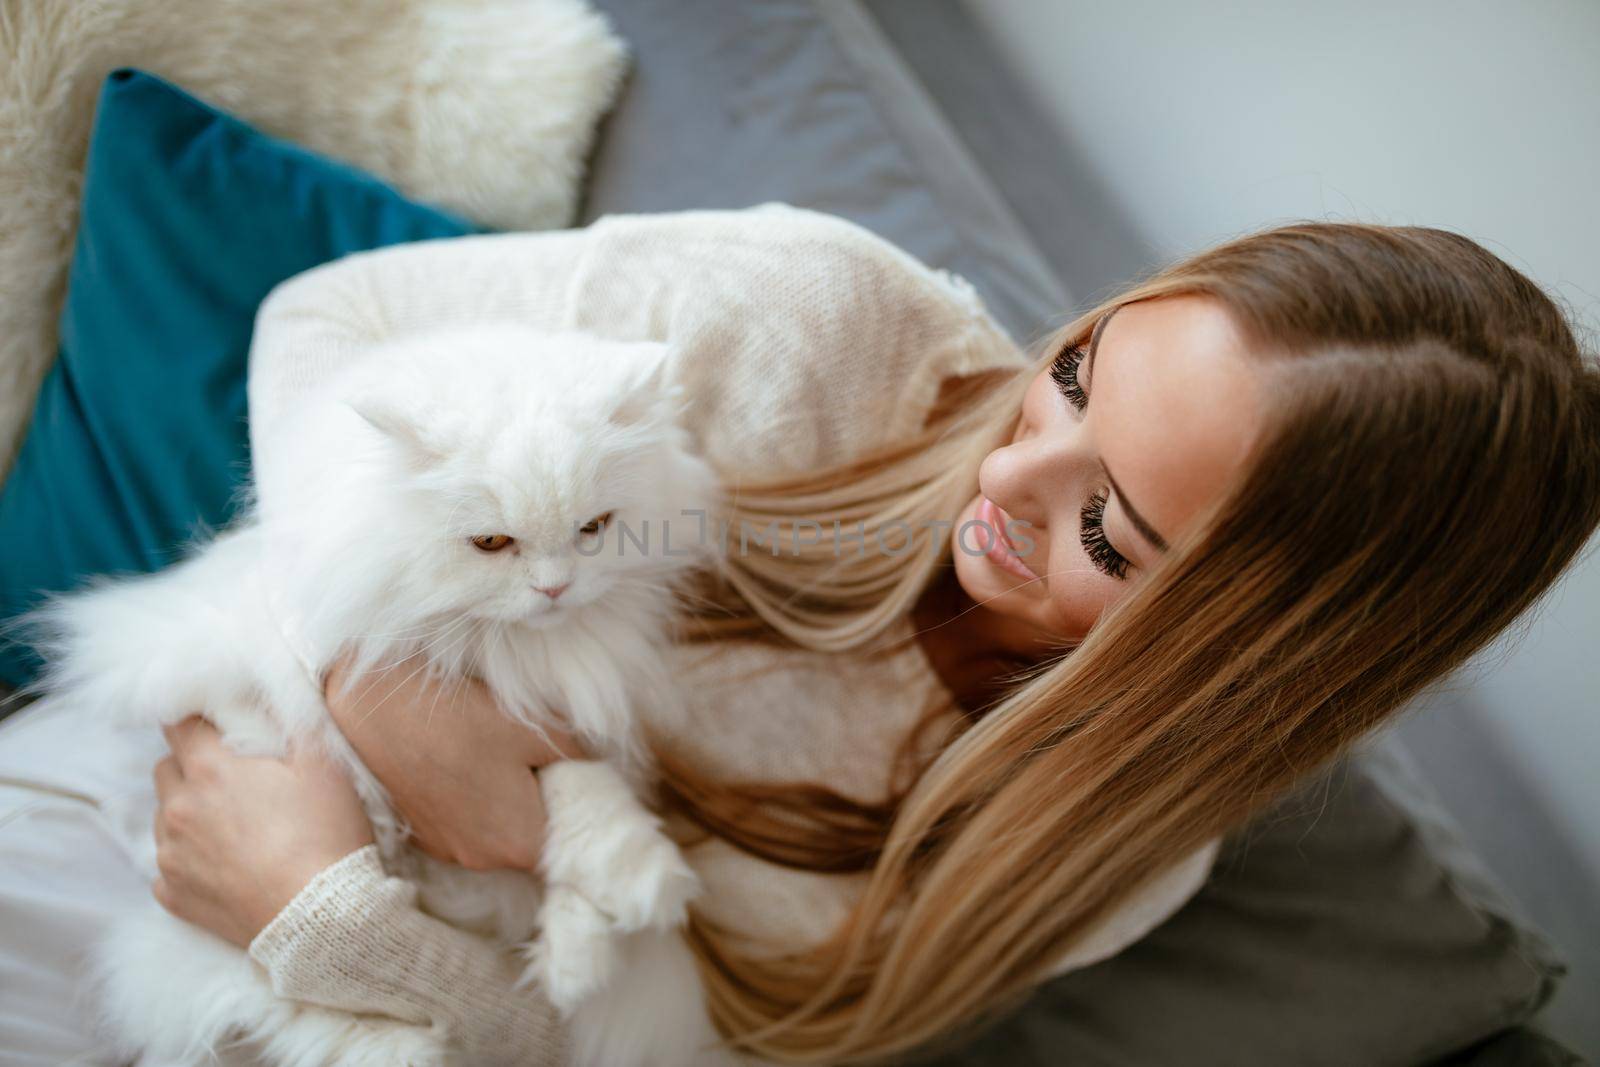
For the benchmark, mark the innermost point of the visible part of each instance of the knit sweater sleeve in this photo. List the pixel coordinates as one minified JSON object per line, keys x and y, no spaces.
{"x":798,"y":337}
{"x":354,"y":940}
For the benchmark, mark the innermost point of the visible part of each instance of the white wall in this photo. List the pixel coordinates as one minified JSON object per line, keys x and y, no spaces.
{"x":1205,"y":120}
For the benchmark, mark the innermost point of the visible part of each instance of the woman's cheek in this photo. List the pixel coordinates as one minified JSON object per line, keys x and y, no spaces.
{"x":1078,"y":594}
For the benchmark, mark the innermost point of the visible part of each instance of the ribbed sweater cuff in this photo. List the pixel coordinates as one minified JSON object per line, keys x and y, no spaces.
{"x":354,"y":940}
{"x":314,"y":927}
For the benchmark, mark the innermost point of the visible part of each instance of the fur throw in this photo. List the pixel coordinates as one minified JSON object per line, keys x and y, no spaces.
{"x":486,"y":107}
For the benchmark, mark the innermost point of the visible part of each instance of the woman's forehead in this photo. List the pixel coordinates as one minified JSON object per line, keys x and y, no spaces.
{"x":1174,"y":405}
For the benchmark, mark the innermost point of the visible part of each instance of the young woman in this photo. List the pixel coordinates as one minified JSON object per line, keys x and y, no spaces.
{"x":1250,"y":505}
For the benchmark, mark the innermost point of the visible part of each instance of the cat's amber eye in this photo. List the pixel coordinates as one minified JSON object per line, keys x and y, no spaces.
{"x":596,"y":524}
{"x":491,"y":542}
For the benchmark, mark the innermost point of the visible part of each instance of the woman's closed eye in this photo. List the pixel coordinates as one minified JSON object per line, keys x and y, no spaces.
{"x":1064,"y":372}
{"x":1106,"y":559}
{"x":1092,"y":533}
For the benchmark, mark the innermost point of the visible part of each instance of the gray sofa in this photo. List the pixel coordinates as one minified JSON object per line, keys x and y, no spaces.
{"x":1349,"y":925}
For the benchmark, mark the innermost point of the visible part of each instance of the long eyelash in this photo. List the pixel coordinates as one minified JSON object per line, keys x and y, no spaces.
{"x":1064,"y":372}
{"x":1105,"y":558}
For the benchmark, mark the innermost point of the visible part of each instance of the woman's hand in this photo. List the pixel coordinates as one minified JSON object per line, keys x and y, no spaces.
{"x":456,"y":766}
{"x":238,"y":836}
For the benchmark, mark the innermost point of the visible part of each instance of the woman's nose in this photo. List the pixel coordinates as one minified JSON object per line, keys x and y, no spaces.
{"x":1022,"y":476}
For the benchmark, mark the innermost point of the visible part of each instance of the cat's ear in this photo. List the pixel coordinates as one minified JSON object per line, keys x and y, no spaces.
{"x":643,"y":390}
{"x":401,"y":427}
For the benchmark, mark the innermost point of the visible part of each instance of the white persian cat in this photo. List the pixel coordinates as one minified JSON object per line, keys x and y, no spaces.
{"x":514,"y":505}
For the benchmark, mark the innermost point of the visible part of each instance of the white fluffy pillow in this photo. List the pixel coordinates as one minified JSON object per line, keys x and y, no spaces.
{"x":487,"y":107}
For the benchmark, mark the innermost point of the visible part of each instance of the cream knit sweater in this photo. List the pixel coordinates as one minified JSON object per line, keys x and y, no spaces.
{"x":799,"y":339}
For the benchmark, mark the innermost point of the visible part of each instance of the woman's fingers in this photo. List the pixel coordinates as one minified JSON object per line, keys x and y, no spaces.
{"x":238,"y":836}
{"x":162,"y":891}
{"x":335,"y":676}
{"x":177,"y":735}
{"x":549,"y":744}
{"x":189,"y":736}
{"x":312,"y":762}
{"x":169,"y":781}
{"x":167,"y":777}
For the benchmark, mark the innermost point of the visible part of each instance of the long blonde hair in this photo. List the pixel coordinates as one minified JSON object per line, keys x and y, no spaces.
{"x":1431,"y":466}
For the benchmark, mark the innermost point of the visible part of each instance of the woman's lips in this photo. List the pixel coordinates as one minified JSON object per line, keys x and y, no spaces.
{"x":998,"y":548}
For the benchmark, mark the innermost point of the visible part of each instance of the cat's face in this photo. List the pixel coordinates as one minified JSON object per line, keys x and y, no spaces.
{"x":531,"y":474}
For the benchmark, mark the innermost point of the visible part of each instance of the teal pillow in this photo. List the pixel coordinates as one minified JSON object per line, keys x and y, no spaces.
{"x":138,"y":438}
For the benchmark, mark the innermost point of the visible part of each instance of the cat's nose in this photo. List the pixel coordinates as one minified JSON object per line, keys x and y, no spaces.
{"x":553,"y":591}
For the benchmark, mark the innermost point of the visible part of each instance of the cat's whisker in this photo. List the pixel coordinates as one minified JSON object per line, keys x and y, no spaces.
{"x":454,"y":673}
{"x":392,"y":691}
{"x":448,"y":632}
{"x":457,"y":684}
{"x":406,"y":651}
{"x":424,"y":663}
{"x":368,"y":634}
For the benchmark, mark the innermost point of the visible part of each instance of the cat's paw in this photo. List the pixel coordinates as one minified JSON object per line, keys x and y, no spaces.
{"x":603,"y":842}
{"x":647,"y":884}
{"x":576,"y":952}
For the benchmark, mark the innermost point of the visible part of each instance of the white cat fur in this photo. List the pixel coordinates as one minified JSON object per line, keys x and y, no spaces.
{"x":422,"y":445}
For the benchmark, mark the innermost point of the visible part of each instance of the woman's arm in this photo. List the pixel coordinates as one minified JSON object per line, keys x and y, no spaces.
{"x":277,"y":856}
{"x":800,"y":338}
{"x":353,"y":939}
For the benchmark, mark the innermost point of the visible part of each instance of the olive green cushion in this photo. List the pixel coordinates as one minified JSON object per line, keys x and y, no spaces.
{"x":1348,"y":925}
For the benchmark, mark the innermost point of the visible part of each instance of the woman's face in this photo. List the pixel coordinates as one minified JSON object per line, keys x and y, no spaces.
{"x":1117,"y":448}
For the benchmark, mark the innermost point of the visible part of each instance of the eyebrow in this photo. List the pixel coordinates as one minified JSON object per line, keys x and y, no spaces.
{"x":1134,"y":517}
